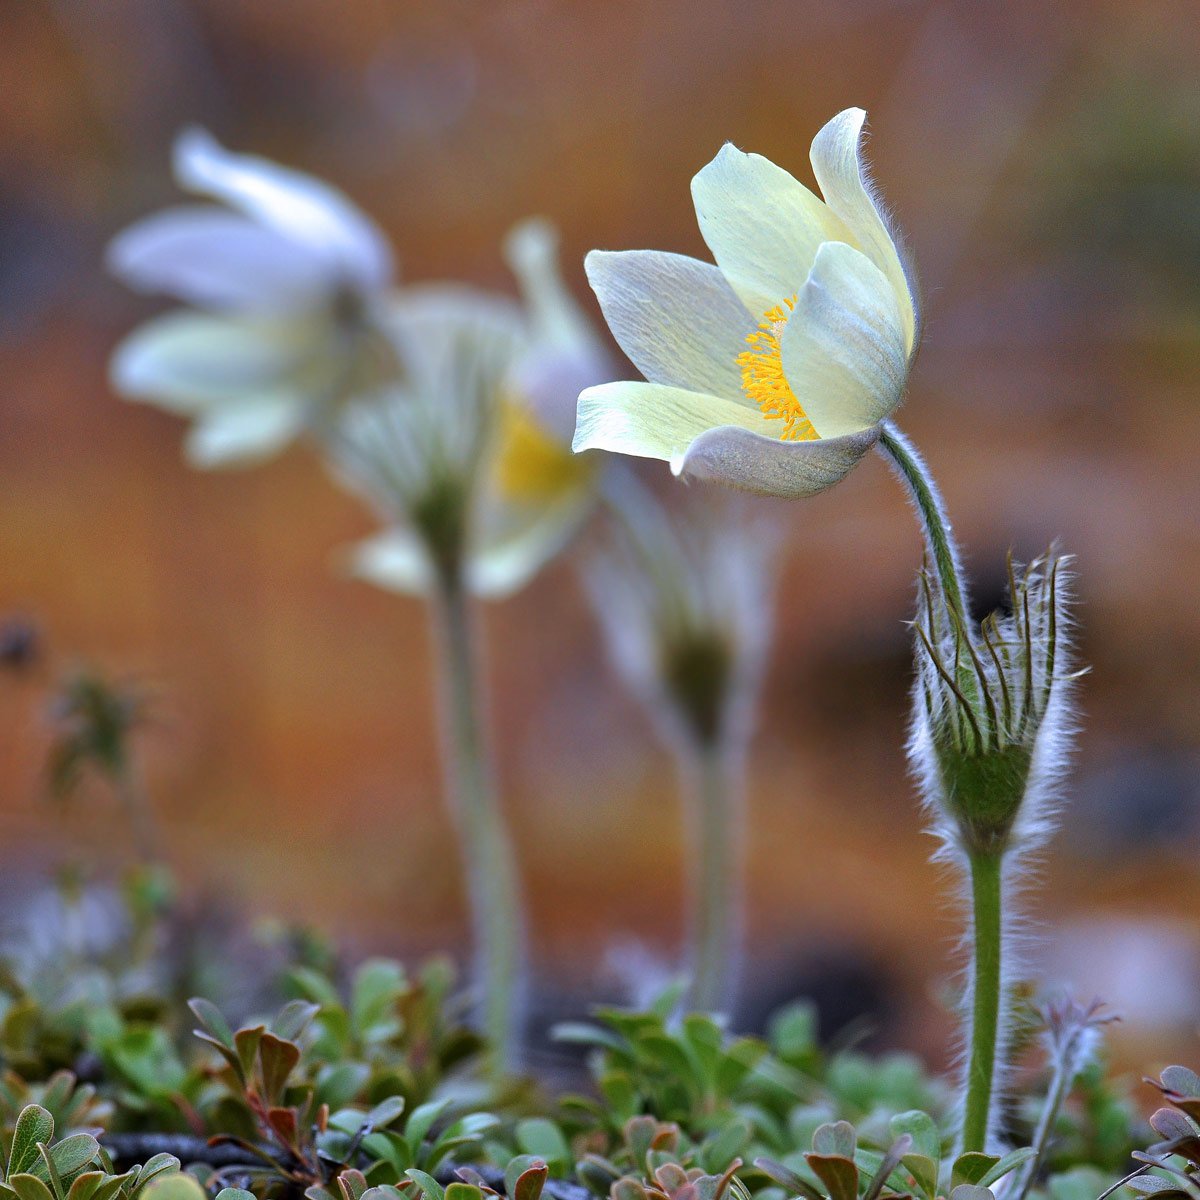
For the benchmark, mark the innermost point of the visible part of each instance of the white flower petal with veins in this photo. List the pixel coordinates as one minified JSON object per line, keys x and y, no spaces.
{"x":762,"y":225}
{"x":677,"y":319}
{"x":843,"y":347}
{"x":837,"y":164}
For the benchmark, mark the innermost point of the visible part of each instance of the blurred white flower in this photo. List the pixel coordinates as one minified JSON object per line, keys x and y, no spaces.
{"x":684,"y":598}
{"x":287,"y":287}
{"x":479,"y":437}
{"x":462,"y":473}
{"x":818,"y":291}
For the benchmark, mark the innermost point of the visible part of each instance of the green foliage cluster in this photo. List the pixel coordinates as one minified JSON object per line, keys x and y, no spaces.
{"x":369,"y":1087}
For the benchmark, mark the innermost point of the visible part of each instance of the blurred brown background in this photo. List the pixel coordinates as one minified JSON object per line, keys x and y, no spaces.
{"x":1044,"y":160}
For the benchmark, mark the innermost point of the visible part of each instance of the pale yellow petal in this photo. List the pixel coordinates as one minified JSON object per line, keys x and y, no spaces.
{"x":649,"y":420}
{"x":762,"y":225}
{"x":843,"y":347}
{"x":838,"y":165}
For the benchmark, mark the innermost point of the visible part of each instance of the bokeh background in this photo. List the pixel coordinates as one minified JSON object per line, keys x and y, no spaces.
{"x":1044,"y":160}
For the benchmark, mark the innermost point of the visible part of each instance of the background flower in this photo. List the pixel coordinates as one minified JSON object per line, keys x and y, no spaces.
{"x":288,"y":283}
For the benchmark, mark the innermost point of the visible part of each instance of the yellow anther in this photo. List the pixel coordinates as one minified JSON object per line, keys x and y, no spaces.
{"x":763,"y":379}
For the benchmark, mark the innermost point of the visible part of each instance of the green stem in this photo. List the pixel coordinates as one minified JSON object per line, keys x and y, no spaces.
{"x":716,"y":872}
{"x":131,"y":793}
{"x":983,"y":1042}
{"x":938,"y":533}
{"x":488,"y":858}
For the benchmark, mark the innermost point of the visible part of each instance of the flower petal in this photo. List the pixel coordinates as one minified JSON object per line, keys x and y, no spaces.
{"x":248,"y":433}
{"x":186,"y":361}
{"x":762,"y":225}
{"x":676,"y":318}
{"x":513,"y":546}
{"x":770,"y":467}
{"x":215,"y":259}
{"x":309,"y":212}
{"x":837,"y":163}
{"x":843,"y":347}
{"x":649,"y":420}
{"x":395,"y":560}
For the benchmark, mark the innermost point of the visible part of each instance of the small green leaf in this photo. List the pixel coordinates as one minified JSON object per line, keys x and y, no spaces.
{"x":1010,"y":1162}
{"x":29,"y":1187}
{"x":279,"y":1059}
{"x":922,"y":1129}
{"x":543,"y":1138}
{"x":971,"y":1167}
{"x":176,"y":1186}
{"x":429,"y":1186}
{"x":971,"y":1191}
{"x":34,"y":1125}
{"x":232,"y":1193}
{"x":835,"y":1139}
{"x":209,"y":1016}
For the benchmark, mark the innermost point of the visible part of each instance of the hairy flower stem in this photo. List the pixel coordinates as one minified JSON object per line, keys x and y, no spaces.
{"x":939,"y":536}
{"x":986,"y":865}
{"x":986,"y":894}
{"x":710,"y":776}
{"x":488,"y":858}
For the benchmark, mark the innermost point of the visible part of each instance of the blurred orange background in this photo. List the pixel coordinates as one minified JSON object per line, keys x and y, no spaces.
{"x":1044,"y":161}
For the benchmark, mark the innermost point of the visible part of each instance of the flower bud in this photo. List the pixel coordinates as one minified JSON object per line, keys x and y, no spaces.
{"x":992,"y":711}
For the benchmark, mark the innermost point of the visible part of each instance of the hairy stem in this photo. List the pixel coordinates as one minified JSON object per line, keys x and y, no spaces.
{"x":984,"y":1031}
{"x":939,"y":535}
{"x":488,"y":858}
{"x":715,"y":916}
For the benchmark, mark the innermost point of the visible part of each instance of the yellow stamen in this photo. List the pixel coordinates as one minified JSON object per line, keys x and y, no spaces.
{"x":531,"y":466}
{"x":763,"y":379}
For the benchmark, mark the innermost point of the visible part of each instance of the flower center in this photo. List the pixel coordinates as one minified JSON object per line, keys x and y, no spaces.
{"x":763,"y":379}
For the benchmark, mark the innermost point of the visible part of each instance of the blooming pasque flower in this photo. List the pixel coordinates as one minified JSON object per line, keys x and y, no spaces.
{"x":773,"y":370}
{"x":287,"y":284}
{"x":486,"y":417}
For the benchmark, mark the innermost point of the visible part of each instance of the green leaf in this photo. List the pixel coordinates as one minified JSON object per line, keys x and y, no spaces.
{"x":232,"y":1193}
{"x":543,"y":1139}
{"x":293,"y":1019}
{"x":463,"y":1191}
{"x":797,"y":1185}
{"x":971,"y":1167}
{"x":34,"y":1125}
{"x":29,"y":1187}
{"x":378,"y":984}
{"x":431,"y":1189}
{"x":835,"y":1139}
{"x":924,"y":1171}
{"x":214,"y":1024}
{"x":421,"y":1120}
{"x":922,"y":1129}
{"x":73,"y":1153}
{"x":175,"y":1186}
{"x":1010,"y":1162}
{"x":722,"y":1147}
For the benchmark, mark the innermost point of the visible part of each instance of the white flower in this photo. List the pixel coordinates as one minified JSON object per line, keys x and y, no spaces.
{"x":287,"y":284}
{"x":772,"y":370}
{"x":684,"y":599}
{"x":465,"y":477}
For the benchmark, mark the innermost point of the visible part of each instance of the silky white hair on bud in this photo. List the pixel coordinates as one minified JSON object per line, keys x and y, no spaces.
{"x":1000,"y":694}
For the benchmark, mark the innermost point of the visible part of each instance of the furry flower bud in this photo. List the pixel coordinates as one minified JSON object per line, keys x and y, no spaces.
{"x":992,"y":717}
